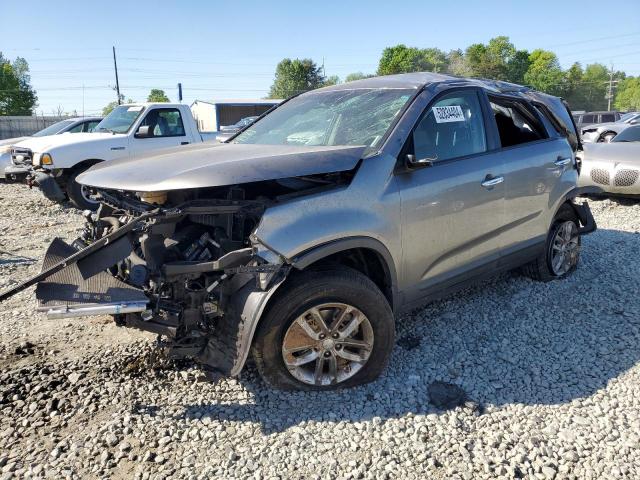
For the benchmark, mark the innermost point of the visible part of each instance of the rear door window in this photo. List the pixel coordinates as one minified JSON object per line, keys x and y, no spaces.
{"x":588,"y":119}
{"x":516,"y":122}
{"x":607,"y":117}
{"x":452,"y":127}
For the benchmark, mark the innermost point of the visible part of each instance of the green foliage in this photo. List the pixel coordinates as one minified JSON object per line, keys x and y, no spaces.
{"x":628,"y":94}
{"x":544,"y":72}
{"x":17,"y":97}
{"x":499,"y":59}
{"x":352,"y":77}
{"x":157,"y":95}
{"x":332,"y":80}
{"x":111,"y":105}
{"x":403,"y":59}
{"x":296,"y":76}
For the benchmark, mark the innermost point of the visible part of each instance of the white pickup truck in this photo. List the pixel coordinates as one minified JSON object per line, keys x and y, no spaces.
{"x":128,"y":131}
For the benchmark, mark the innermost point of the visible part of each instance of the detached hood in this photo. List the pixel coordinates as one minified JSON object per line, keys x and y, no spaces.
{"x":207,"y":165}
{"x":50,"y":142}
{"x":616,"y":152}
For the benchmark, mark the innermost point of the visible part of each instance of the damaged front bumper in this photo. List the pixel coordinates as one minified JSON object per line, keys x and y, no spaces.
{"x":205,"y":310}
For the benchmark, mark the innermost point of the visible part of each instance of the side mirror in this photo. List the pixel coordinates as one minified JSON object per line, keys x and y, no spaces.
{"x":143,"y":132}
{"x":413,"y":162}
{"x":633,"y":122}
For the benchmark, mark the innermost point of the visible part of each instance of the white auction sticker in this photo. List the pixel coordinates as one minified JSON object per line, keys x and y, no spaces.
{"x":134,"y":109}
{"x":450,"y":113}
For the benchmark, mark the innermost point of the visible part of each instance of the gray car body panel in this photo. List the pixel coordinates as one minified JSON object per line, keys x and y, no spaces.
{"x":211,"y":165}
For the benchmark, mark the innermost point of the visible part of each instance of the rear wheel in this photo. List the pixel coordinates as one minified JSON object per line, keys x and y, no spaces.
{"x":326,"y":330}
{"x":562,"y":250}
{"x":79,"y":194}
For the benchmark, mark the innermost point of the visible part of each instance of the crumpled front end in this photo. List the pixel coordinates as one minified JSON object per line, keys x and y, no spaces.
{"x":186,"y":272}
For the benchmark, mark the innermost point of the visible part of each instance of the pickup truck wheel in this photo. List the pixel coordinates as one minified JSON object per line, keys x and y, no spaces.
{"x":79,"y":195}
{"x":562,"y":250}
{"x":325,"y":330}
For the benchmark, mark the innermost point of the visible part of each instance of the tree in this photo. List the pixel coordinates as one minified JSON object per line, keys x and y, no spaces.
{"x":295,"y":76}
{"x":573,"y":90}
{"x":352,"y":77}
{"x":403,"y":59}
{"x":332,"y":80}
{"x":628,"y":94}
{"x":594,"y":86}
{"x":457,"y":64}
{"x":157,"y":95}
{"x":17,"y":97}
{"x":544,"y":72}
{"x":111,"y":105}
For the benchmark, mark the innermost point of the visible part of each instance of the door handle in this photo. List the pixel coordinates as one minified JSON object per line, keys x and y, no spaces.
{"x":184,"y":143}
{"x":562,"y":161}
{"x":492,"y":181}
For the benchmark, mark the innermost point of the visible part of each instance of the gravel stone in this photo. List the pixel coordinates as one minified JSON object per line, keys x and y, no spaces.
{"x":550,"y":372}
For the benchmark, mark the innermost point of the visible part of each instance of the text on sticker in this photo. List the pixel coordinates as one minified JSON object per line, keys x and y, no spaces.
{"x":450,"y":113}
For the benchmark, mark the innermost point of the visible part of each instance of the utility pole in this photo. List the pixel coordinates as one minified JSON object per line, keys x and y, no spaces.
{"x":115,"y":66}
{"x":610,"y":89}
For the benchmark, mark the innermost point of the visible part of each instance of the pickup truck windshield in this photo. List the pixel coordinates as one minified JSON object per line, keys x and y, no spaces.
{"x":55,"y":128}
{"x":119,"y":120}
{"x":330,"y":118}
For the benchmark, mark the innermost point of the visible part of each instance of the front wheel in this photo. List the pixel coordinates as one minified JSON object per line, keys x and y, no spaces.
{"x":562,"y":250}
{"x":326,"y":330}
{"x":79,"y":194}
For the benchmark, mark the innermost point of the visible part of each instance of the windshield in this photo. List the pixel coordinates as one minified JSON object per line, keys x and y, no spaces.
{"x":627,"y":117}
{"x":55,"y":128}
{"x":631,"y":134}
{"x":329,"y":118}
{"x":120,"y":119}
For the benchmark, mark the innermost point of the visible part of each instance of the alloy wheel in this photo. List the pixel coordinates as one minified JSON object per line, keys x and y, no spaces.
{"x":565,"y":248}
{"x":327,"y":344}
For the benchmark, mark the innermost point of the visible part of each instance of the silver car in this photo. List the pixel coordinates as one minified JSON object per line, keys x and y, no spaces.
{"x":615,"y":166}
{"x":301,"y":240}
{"x":13,"y":171}
{"x":606,"y":132}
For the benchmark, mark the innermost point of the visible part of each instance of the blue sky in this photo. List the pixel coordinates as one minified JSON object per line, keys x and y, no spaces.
{"x":230,"y":49}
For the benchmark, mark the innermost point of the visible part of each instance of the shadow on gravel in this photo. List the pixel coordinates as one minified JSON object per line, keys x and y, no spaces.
{"x":14,"y":259}
{"x":509,"y":340}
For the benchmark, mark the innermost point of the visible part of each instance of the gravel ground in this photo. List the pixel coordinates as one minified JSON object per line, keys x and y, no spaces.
{"x":551,"y":373}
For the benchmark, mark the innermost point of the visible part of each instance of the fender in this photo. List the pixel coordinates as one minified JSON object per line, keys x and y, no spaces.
{"x":306,"y":258}
{"x":249,"y":303}
{"x":582,"y":211}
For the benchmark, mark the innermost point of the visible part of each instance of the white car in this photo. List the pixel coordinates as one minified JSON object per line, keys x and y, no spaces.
{"x":614,"y":167}
{"x":129,"y":131}
{"x":69,"y":125}
{"x":606,"y":132}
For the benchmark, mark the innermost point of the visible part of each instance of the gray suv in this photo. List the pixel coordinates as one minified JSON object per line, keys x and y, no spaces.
{"x":300,"y":239}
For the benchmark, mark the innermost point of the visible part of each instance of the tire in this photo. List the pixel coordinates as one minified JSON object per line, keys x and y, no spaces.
{"x":76,"y":194}
{"x":331,"y":292}
{"x":542,"y":269}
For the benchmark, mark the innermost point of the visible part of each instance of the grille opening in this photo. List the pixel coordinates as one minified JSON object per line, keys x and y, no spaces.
{"x":625,"y":178}
{"x":600,"y":176}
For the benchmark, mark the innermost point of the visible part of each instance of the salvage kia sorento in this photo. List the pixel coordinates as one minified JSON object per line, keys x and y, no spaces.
{"x":299,"y":239}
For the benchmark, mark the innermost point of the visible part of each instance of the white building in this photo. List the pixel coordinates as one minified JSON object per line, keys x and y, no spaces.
{"x":210,"y":116}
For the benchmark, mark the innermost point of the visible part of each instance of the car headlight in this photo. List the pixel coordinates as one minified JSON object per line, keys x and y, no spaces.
{"x":5,"y":149}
